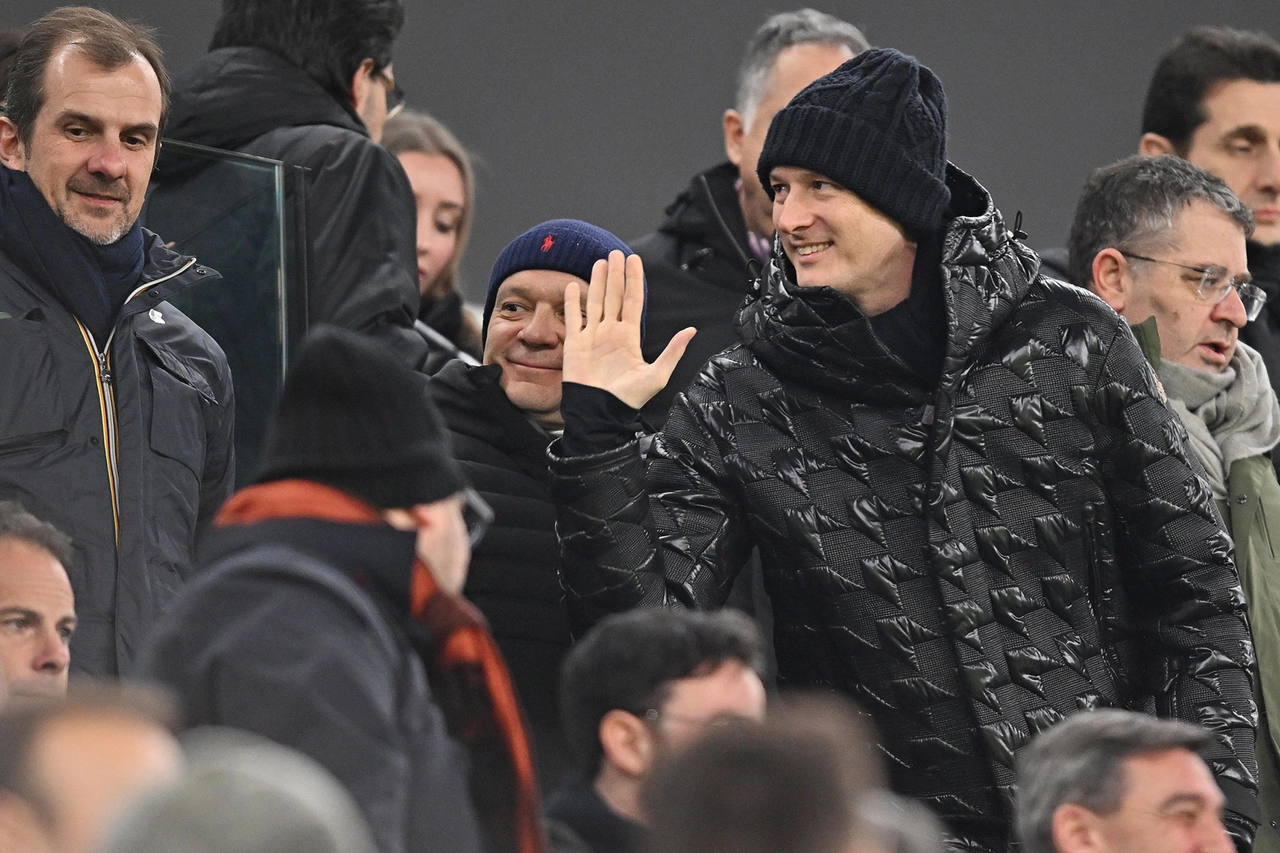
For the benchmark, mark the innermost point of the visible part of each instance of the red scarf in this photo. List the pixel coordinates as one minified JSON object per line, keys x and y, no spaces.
{"x":472,"y":683}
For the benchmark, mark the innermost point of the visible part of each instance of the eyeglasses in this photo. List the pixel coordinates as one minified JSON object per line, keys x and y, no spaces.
{"x":476,"y":515}
{"x":395,"y":95}
{"x":653,"y":716}
{"x":1215,"y":285}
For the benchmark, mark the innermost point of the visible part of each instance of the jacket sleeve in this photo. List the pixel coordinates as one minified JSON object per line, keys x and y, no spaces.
{"x":659,"y":529}
{"x":1177,"y":569}
{"x":362,"y":260}
{"x":218,"y":481}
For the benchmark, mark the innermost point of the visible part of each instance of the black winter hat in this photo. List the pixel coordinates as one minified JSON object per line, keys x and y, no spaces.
{"x":353,"y":416}
{"x":877,"y":125}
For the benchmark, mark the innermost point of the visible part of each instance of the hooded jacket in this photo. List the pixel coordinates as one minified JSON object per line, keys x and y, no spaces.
{"x":970,"y":560}
{"x":696,"y":266}
{"x":361,"y":252}
{"x":128,"y":451}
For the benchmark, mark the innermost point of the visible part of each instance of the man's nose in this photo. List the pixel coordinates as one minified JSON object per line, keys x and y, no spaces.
{"x":545,"y":328}
{"x":1268,"y":176}
{"x":53,"y":654}
{"x":792,"y":214}
{"x":1231,"y":310}
{"x":108,"y":159}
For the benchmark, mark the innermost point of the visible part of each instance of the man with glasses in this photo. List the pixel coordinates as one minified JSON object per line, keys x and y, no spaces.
{"x":329,"y":617}
{"x":1163,"y":243}
{"x":314,"y":90}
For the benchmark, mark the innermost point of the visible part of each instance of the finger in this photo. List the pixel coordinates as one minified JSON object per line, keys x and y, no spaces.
{"x":595,"y":292}
{"x":633,"y":302}
{"x":617,"y":286}
{"x":665,"y":364}
{"x":572,"y":310}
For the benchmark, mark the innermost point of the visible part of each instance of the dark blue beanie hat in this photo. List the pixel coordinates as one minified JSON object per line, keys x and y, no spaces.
{"x":877,"y":125}
{"x":563,"y":245}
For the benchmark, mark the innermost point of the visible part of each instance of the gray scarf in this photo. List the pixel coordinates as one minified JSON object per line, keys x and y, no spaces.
{"x":1229,"y":415}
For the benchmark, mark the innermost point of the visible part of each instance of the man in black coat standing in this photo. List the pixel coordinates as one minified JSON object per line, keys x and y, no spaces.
{"x":502,"y":416}
{"x":975,"y":513}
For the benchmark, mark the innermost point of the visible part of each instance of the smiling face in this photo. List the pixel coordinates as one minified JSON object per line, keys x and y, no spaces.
{"x":837,"y":240}
{"x":1239,"y":142}
{"x":1191,"y":332}
{"x":442,"y":200}
{"x":93,"y":143}
{"x":526,"y":337}
{"x":37,"y":619}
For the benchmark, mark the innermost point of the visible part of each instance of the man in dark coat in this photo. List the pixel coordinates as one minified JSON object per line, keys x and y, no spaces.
{"x":116,"y":410}
{"x":502,"y":416}
{"x":975,"y":513}
{"x":314,"y":91}
{"x":328,"y":615}
{"x":705,"y":256}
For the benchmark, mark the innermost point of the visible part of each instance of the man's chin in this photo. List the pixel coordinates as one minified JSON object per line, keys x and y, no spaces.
{"x":97,"y":231}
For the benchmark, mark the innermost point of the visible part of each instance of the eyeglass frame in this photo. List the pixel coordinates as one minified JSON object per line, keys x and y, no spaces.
{"x":396,"y":96}
{"x":477,"y":515}
{"x":1210,"y":275}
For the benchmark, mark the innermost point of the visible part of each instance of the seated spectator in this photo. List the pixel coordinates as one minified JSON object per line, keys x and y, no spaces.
{"x":243,"y":794}
{"x":37,"y":607}
{"x":502,"y":416}
{"x":797,"y":784}
{"x":68,"y":768}
{"x":638,"y":687}
{"x":444,"y":188}
{"x":1119,"y":782}
{"x":342,"y":567}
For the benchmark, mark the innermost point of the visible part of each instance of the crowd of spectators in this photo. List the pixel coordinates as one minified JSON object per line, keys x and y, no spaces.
{"x":828,"y":518}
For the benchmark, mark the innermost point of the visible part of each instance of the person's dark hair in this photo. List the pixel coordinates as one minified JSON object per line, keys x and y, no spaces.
{"x":1080,"y":761}
{"x":1135,"y":204}
{"x":9,"y":41}
{"x":104,"y":39}
{"x":22,"y":723}
{"x":1199,"y":60}
{"x":796,"y":784}
{"x":327,"y":39}
{"x":17,"y":523}
{"x":628,"y":661}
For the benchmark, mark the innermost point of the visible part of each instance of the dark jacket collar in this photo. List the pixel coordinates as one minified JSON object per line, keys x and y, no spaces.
{"x":235,"y":94}
{"x":817,"y":337}
{"x":577,"y":805}
{"x":473,"y":404}
{"x":691,"y":218}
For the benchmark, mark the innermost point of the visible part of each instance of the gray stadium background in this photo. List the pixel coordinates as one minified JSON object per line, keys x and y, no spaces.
{"x":603,"y":111}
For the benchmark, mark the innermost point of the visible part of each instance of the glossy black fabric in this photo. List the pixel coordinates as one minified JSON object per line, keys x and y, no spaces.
{"x":1263,"y":334}
{"x":362,"y":268}
{"x":971,"y":561}
{"x":515,"y":571}
{"x":697,"y":277}
{"x":291,"y":632}
{"x":174,"y":415}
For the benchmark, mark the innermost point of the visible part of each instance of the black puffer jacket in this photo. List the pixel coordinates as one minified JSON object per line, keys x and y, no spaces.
{"x":515,"y":571}
{"x":361,"y":257}
{"x":698,"y":276}
{"x":970,"y":562}
{"x":1263,"y":334}
{"x":130,"y":467}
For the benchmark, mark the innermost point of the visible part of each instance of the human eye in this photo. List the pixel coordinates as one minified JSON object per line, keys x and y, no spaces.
{"x":76,"y":131}
{"x":446,"y":227}
{"x":1240,"y":147}
{"x":510,"y":307}
{"x":16,"y":624}
{"x":66,"y":632}
{"x":137,"y":140}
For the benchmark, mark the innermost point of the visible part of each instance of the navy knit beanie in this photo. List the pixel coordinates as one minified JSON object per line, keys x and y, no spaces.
{"x":877,"y":125}
{"x":563,"y":245}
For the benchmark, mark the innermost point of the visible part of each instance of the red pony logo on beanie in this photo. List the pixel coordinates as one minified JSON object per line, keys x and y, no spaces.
{"x":548,"y":243}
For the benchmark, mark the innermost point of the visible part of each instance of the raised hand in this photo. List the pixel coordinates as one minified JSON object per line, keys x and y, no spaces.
{"x":602,"y":349}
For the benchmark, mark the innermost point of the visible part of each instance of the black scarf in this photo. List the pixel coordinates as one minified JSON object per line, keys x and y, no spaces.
{"x":92,"y":281}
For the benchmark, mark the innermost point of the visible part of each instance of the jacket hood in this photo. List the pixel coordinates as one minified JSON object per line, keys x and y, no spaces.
{"x":692,"y":216}
{"x":236,"y":94}
{"x":819,"y":338}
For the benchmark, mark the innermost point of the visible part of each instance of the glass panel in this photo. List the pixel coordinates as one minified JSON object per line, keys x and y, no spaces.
{"x":236,"y":213}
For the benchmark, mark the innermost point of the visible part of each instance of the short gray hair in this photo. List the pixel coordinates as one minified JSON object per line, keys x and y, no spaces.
{"x":784,"y":30}
{"x":17,"y":523}
{"x":1136,"y":202}
{"x":1080,"y":760}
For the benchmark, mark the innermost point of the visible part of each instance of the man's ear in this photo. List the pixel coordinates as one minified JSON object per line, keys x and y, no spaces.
{"x":1111,"y":278}
{"x":734,"y":130}
{"x":1075,"y":830}
{"x":13,"y":153}
{"x":362,"y":84}
{"x":627,"y":743}
{"x":1154,"y":145}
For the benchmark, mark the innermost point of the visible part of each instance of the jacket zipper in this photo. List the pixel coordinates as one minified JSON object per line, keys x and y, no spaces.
{"x":107,"y":397}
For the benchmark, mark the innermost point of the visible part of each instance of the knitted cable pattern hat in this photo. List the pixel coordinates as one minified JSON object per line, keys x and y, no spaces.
{"x":353,"y":416}
{"x":877,"y":125}
{"x":564,"y":245}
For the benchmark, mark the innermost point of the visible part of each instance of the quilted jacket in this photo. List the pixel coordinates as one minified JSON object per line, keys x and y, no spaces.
{"x":972,"y":561}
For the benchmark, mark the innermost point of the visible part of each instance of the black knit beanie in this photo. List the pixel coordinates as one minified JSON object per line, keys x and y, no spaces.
{"x":353,"y":416}
{"x":877,"y":125}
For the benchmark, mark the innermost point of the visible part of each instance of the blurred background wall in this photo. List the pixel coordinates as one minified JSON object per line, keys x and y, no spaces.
{"x":603,"y":110}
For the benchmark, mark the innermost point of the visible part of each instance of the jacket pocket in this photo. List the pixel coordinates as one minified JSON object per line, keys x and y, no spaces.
{"x":177,"y":419}
{"x":31,"y":408}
